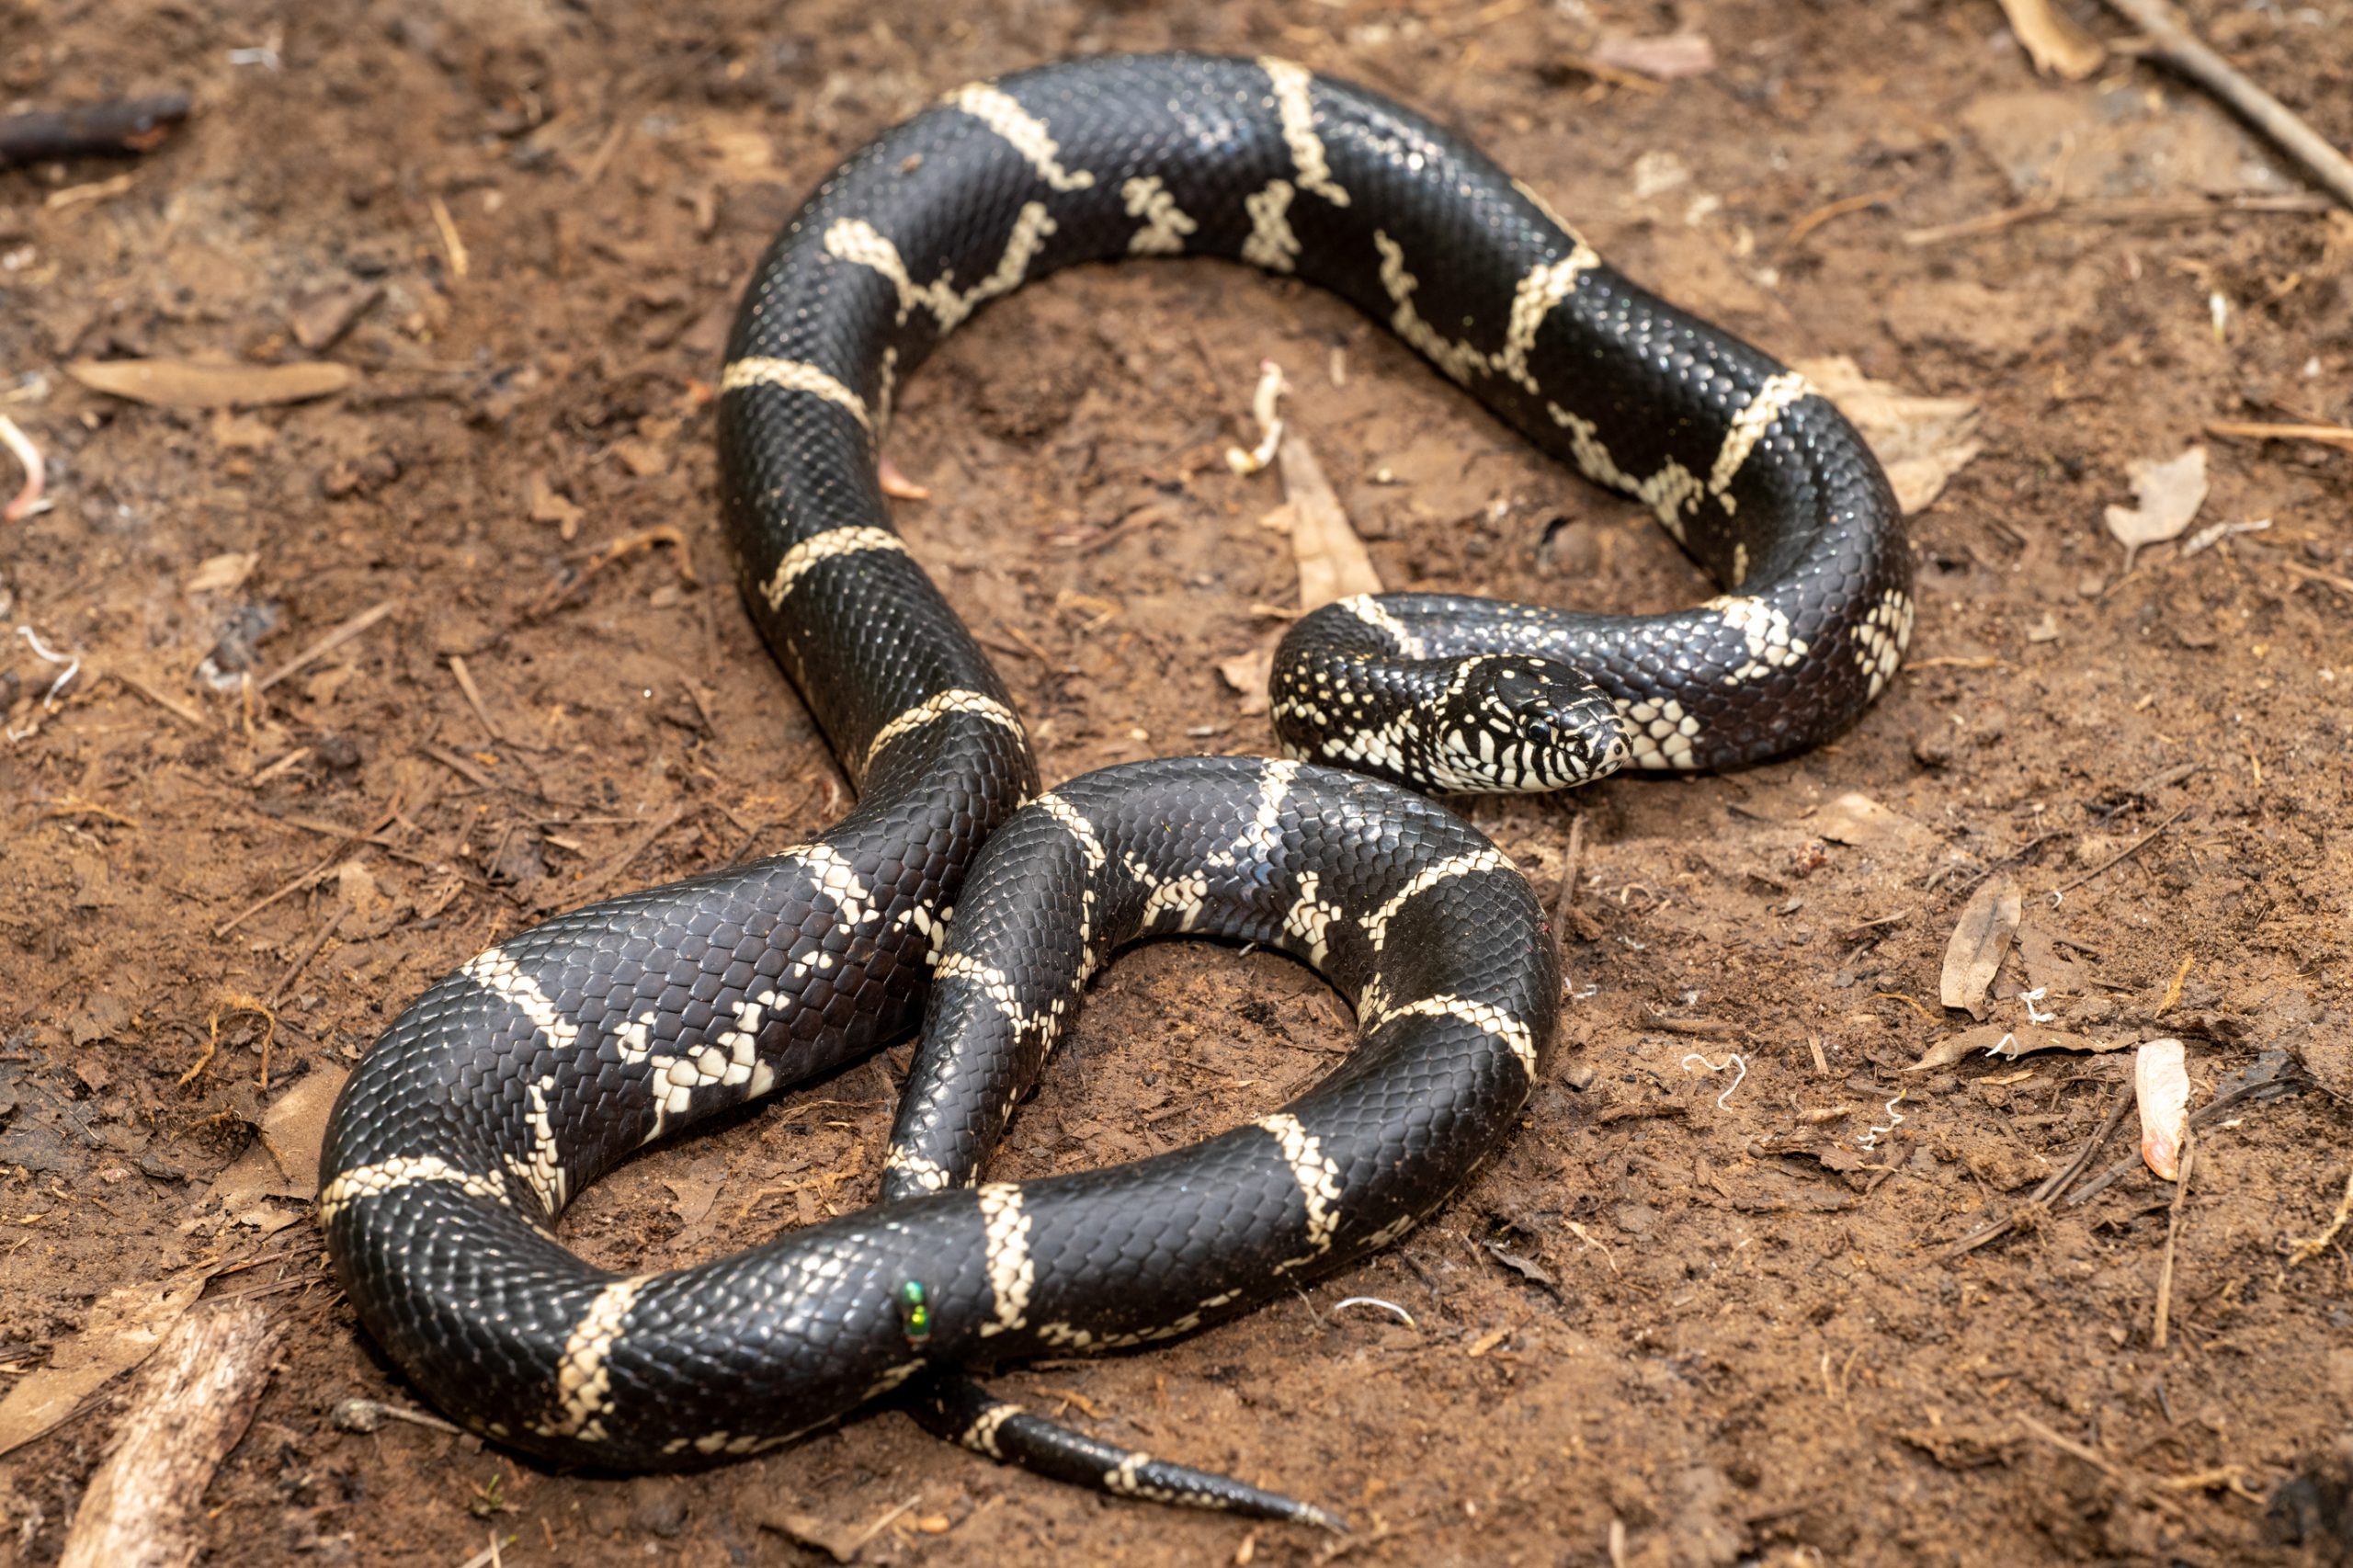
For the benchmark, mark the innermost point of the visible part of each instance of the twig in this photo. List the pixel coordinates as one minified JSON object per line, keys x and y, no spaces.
{"x":2050,"y":1190}
{"x":313,"y":874}
{"x":328,"y":643}
{"x":2124,"y":854}
{"x":133,"y":125}
{"x":637,"y":846}
{"x":459,"y":766}
{"x":176,"y":709}
{"x":2256,"y":1090}
{"x":2170,"y":41}
{"x":294,"y":970}
{"x":450,"y":243}
{"x":2173,"y":1233}
{"x":1839,"y":209}
{"x":2098,"y":1461}
{"x":2337,"y":436}
{"x":2306,"y":1249}
{"x":2132,"y":211}
{"x":2330,"y":579}
{"x":473,"y":697}
{"x":1567,"y":892}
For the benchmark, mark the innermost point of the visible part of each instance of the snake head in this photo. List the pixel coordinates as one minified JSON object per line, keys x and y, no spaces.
{"x":1528,"y":724}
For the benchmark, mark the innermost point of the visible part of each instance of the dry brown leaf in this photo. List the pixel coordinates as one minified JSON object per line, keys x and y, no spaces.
{"x":2048,"y":968}
{"x":185,"y":383}
{"x":1663,"y":57}
{"x":1332,"y":560}
{"x":1980,"y":939}
{"x":2169,"y":495}
{"x":123,"y":1329}
{"x":2052,"y":40}
{"x":319,"y":319}
{"x":1858,"y":820}
{"x":2005,"y":1044}
{"x":1921,"y":441}
{"x":1248,"y":673}
{"x":295,"y":1126}
{"x":2161,"y":1085}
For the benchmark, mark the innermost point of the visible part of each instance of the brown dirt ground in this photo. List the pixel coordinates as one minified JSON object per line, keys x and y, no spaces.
{"x":1737,"y":1339}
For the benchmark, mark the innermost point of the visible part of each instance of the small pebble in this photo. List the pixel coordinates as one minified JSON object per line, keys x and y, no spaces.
{"x":362,"y":1415}
{"x":337,"y":754}
{"x":1579,"y":1077}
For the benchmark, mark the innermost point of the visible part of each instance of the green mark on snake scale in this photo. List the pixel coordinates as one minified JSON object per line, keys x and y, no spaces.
{"x":914,"y":1313}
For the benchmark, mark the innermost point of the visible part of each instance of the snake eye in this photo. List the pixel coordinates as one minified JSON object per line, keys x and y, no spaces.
{"x":1538,"y":730}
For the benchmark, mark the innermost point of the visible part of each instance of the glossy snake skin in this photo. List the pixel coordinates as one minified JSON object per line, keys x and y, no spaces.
{"x":512,"y":1084}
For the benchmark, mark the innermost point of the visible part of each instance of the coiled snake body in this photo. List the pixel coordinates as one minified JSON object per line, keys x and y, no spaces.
{"x":512,"y":1084}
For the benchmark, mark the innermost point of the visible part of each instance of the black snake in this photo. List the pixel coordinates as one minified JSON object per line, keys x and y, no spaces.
{"x":512,"y":1084}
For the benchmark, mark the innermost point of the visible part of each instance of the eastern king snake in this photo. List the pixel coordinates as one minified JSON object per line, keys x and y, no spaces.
{"x":515,"y":1082}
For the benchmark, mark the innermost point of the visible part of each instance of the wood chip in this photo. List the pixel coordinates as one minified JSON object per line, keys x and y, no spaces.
{"x":145,"y":1508}
{"x":183,"y":383}
{"x":2161,"y":1085}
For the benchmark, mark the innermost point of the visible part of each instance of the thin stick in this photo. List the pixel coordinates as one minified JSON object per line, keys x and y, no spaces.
{"x":2337,"y":436}
{"x":1567,"y":893}
{"x":2126,"y":853}
{"x":473,"y":697}
{"x":2097,"y":1461}
{"x":2309,"y":1247}
{"x":328,"y":643}
{"x":460,"y":766}
{"x":313,"y":875}
{"x":2159,"y":210}
{"x":2172,"y":42}
{"x":1839,"y":208}
{"x":178,"y":710}
{"x":2173,"y":1233}
{"x":134,"y":125}
{"x":294,"y":970}
{"x":637,"y":846}
{"x":2050,"y":1190}
{"x":2328,"y":579}
{"x":450,"y":244}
